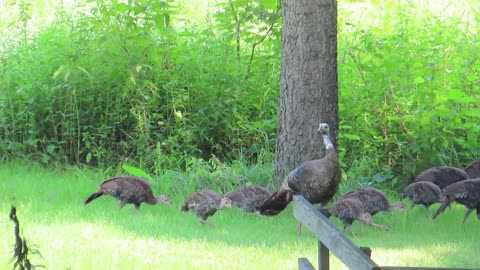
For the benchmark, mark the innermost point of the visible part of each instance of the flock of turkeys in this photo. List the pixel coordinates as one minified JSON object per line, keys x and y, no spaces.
{"x":317,"y":181}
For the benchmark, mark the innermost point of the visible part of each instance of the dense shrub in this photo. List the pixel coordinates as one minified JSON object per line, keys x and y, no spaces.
{"x":121,"y":82}
{"x":409,"y":80}
{"x":160,"y":85}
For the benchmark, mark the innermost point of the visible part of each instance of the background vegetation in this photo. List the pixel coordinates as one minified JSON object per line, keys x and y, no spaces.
{"x":171,"y":84}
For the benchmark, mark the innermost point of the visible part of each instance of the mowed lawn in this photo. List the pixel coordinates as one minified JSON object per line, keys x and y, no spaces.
{"x":70,"y":235}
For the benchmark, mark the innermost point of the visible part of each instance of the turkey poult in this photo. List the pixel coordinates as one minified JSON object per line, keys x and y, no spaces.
{"x":424,"y":193}
{"x":350,"y":209}
{"x":129,"y":190}
{"x":373,"y":200}
{"x":249,"y":198}
{"x":316,"y":180}
{"x":473,"y":170}
{"x":205,"y":203}
{"x":466,"y":192}
{"x":442,"y":176}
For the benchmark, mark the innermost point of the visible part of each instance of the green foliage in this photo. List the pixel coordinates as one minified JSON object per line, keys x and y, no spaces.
{"x":409,"y":83}
{"x":167,"y":85}
{"x":118,"y":82}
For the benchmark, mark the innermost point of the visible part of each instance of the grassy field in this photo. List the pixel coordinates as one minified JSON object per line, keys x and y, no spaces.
{"x":70,"y":235}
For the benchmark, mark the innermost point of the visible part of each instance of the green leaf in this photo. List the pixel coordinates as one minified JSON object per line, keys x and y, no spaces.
{"x":270,"y":4}
{"x":84,"y":70}
{"x":51,"y":148}
{"x":379,"y":178}
{"x":122,"y":8}
{"x":159,"y":20}
{"x":136,"y":172}
{"x":351,"y":136}
{"x":418,"y":80}
{"x":58,"y":71}
{"x":178,"y":115}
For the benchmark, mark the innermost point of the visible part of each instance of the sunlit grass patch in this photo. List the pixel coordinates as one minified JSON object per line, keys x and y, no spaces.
{"x":70,"y":235}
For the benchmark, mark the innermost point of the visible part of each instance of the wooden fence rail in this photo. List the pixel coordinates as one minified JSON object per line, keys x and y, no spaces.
{"x":331,"y":239}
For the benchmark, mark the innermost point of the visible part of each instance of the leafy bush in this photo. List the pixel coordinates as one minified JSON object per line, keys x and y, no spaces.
{"x":124,"y":84}
{"x":408,"y":79}
{"x":165,"y":87}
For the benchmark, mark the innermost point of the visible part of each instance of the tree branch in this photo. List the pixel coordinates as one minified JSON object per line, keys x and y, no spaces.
{"x":250,"y":61}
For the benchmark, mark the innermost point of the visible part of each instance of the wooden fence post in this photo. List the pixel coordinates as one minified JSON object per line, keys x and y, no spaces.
{"x":331,"y":239}
{"x":323,"y":257}
{"x":304,"y":264}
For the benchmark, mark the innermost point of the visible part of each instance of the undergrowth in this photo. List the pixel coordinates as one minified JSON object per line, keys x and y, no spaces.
{"x":166,"y":86}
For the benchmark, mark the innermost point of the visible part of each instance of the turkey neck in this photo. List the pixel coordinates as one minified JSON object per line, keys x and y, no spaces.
{"x":329,"y":146}
{"x":150,"y":199}
{"x":327,"y":142}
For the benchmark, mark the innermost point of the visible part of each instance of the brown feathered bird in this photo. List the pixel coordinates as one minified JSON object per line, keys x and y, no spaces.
{"x":316,"y":180}
{"x":466,"y":192}
{"x":424,"y":193}
{"x":349,"y":210}
{"x":373,"y":200}
{"x":473,"y":170}
{"x":249,"y":198}
{"x":205,"y":203}
{"x":442,"y":176}
{"x":129,"y":190}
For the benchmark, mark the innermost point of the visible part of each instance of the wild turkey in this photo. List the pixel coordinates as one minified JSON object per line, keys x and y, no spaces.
{"x":316,"y":180}
{"x":373,"y":200}
{"x":424,"y":193}
{"x":205,"y":203}
{"x":249,"y":198}
{"x":466,"y":192}
{"x":442,"y":176}
{"x":129,"y":190}
{"x":350,"y":209}
{"x":473,"y":170}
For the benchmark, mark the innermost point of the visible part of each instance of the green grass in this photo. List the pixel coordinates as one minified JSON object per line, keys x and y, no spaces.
{"x":70,"y":235}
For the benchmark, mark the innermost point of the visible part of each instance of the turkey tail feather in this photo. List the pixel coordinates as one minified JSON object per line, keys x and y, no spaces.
{"x":276,"y":203}
{"x":93,"y":197}
{"x":445,"y":204}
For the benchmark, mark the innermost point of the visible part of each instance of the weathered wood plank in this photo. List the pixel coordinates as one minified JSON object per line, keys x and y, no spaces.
{"x":420,"y":268}
{"x":331,"y":236}
{"x":304,"y":264}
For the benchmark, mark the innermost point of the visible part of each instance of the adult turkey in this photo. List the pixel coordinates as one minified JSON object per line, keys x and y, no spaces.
{"x":249,"y":198}
{"x":205,"y":203}
{"x":316,"y":180}
{"x":442,"y":176}
{"x":349,"y":210}
{"x":466,"y":192}
{"x":373,"y":200}
{"x":424,"y":193}
{"x":473,"y":170}
{"x":129,"y":190}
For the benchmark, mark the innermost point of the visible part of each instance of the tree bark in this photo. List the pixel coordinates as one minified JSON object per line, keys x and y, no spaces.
{"x":309,"y":82}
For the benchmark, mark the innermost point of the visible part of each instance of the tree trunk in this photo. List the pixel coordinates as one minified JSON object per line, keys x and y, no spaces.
{"x":309,"y":82}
